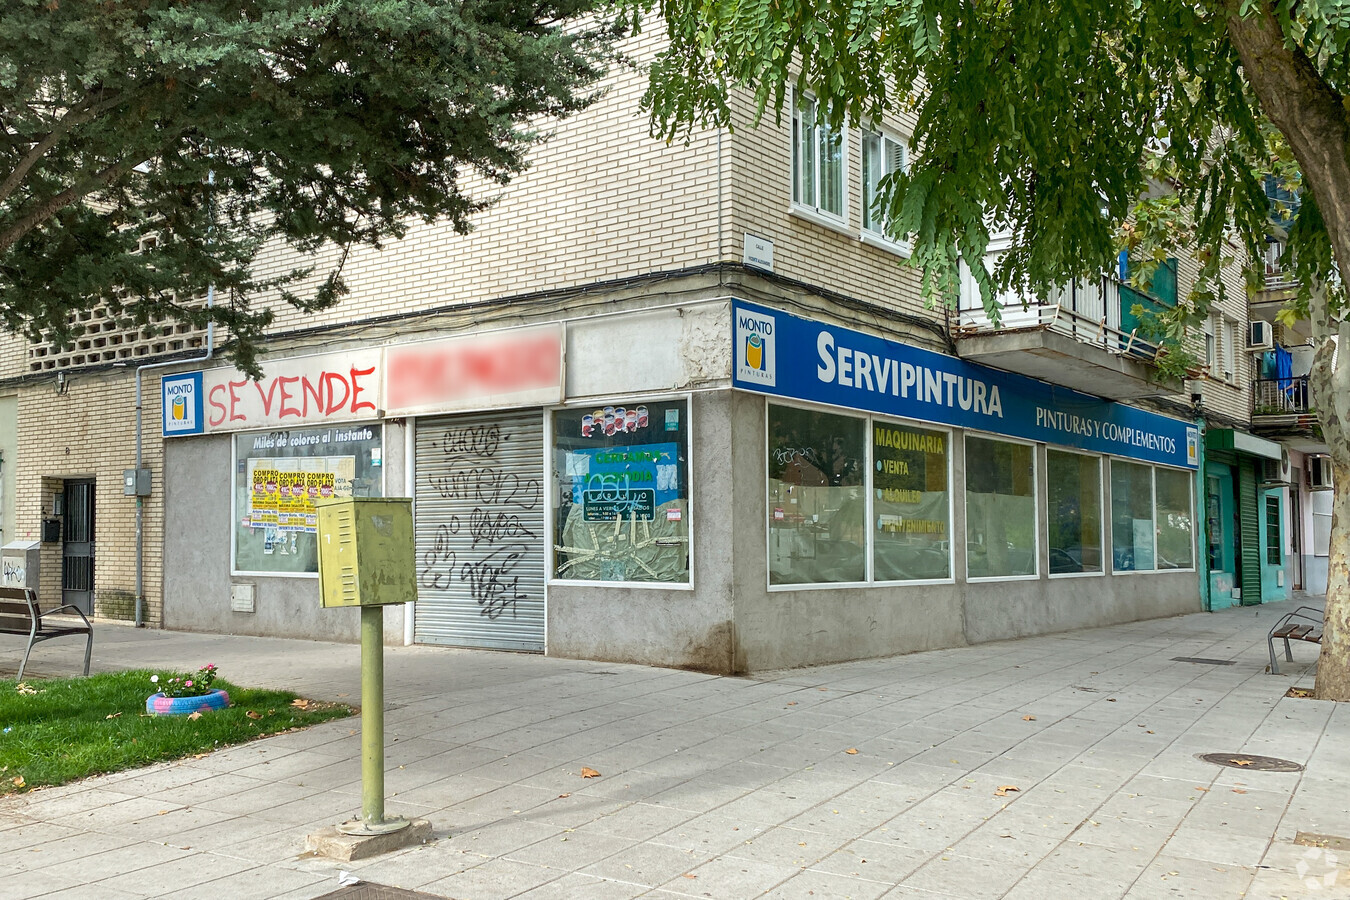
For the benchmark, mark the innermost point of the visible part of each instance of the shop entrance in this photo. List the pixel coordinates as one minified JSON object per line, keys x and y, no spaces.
{"x":77,"y":547}
{"x":1272,"y":546}
{"x":480,"y":531}
{"x":1221,"y":535}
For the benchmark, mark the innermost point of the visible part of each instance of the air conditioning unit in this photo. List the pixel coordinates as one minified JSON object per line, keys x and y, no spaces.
{"x":1277,"y":471}
{"x":1319,"y":473}
{"x":1260,"y":336}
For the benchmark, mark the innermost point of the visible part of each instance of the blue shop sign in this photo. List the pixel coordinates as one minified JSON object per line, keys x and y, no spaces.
{"x":788,"y":356}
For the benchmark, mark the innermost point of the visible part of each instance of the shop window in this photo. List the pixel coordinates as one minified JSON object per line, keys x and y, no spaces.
{"x":1274,"y":550}
{"x":911,"y":506}
{"x":1131,"y":517}
{"x":1176,"y":543}
{"x":277,"y":478}
{"x":1074,"y":510}
{"x":1000,"y":508}
{"x":817,"y":161}
{"x":817,"y":506}
{"x":622,"y":477}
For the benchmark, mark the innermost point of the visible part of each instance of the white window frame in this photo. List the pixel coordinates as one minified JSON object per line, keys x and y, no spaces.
{"x":875,"y":233}
{"x":550,"y":506}
{"x":814,"y":210}
{"x":872,"y":422}
{"x":1190,"y":491}
{"x":234,"y":499}
{"x":1229,"y":350}
{"x":1211,"y":338}
{"x":1153,"y":516}
{"x":1035,"y":501}
{"x":1101,"y":511}
{"x":867,"y":468}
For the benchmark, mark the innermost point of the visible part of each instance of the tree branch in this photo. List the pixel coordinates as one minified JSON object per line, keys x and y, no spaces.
{"x":78,"y":116}
{"x":1309,"y":112}
{"x":54,"y":204}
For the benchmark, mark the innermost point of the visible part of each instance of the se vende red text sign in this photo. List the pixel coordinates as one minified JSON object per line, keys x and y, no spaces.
{"x":334,"y":387}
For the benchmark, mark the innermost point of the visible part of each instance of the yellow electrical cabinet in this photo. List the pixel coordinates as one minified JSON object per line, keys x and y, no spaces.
{"x":366,"y":553}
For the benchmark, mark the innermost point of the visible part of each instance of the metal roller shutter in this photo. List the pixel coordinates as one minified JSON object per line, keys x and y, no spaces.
{"x":480,"y":531}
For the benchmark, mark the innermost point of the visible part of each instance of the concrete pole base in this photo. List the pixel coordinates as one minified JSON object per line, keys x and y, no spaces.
{"x":334,"y":844}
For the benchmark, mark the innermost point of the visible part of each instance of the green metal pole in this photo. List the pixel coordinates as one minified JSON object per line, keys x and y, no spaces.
{"x":372,"y":715}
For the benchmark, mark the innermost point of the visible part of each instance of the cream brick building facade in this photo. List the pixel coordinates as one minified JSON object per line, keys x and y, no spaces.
{"x":625,"y":242}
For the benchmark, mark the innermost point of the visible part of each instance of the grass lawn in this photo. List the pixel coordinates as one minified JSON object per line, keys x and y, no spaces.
{"x":74,"y":727}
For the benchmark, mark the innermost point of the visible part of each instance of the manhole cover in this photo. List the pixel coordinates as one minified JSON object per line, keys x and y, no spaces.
{"x":1249,"y":762}
{"x":1200,"y":660}
{"x":376,"y":892}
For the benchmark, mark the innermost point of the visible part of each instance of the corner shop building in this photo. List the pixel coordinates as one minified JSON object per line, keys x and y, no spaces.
{"x":715,"y":484}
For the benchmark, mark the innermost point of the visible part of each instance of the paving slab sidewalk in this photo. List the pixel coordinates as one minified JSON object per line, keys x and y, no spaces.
{"x":885,"y":778}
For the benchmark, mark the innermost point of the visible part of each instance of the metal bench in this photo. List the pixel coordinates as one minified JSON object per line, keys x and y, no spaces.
{"x":20,"y":614}
{"x":1303,"y":624}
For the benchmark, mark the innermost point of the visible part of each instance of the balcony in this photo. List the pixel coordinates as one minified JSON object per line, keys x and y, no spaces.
{"x":1277,"y":279}
{"x":1282,"y":410}
{"x":1075,"y":338}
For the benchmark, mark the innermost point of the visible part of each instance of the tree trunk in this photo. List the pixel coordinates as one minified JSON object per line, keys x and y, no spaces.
{"x":1333,"y":674}
{"x":1313,"y":118}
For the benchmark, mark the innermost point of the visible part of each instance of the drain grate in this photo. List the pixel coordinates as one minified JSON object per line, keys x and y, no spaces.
{"x":1200,"y":660}
{"x":365,"y":891}
{"x":1250,"y":762}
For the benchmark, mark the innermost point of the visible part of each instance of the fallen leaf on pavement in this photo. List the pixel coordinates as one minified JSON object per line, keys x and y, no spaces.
{"x":1241,"y":762}
{"x":587,"y":772}
{"x":852,"y":751}
{"x":300,"y":702}
{"x":1202,"y":790}
{"x":792,"y":703}
{"x":1239,"y":791}
{"x":1005,"y":790}
{"x":689,"y":875}
{"x":1028,"y":718}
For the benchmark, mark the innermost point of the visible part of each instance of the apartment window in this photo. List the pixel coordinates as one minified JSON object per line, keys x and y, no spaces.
{"x":817,"y":161}
{"x":1229,"y":349}
{"x":881,"y":156}
{"x":1000,"y":508}
{"x":1211,"y":345}
{"x":912,"y":504}
{"x":816,"y":500}
{"x":1074,"y":505}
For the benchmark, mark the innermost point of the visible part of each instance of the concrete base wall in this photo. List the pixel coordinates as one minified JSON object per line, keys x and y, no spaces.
{"x":782,"y":628}
{"x":198,"y":482}
{"x":1315,"y":571}
{"x":685,"y":629}
{"x":729,"y":622}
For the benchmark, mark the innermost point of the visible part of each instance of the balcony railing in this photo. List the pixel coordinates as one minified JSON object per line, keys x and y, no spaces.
{"x":1088,"y":310}
{"x":1280,"y":396}
{"x":1276,"y":277}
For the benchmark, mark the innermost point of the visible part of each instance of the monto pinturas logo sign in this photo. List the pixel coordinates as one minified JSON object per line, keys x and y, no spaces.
{"x":182,"y":404}
{"x":756,"y":359}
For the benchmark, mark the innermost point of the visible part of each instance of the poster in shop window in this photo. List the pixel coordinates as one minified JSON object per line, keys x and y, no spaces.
{"x":632,"y":482}
{"x":283,"y":491}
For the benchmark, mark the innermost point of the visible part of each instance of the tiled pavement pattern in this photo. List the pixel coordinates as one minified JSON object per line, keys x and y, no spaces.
{"x":727,"y":788}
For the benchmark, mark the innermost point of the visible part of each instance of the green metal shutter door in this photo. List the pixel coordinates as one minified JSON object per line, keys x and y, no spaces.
{"x":1249,"y":525}
{"x":480,"y":531}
